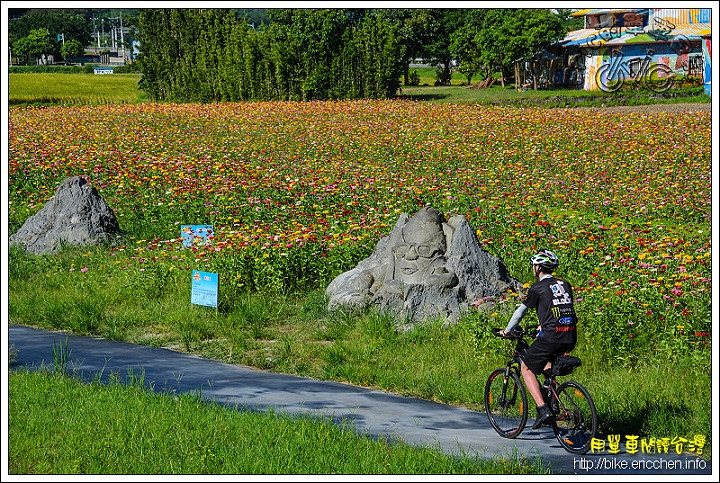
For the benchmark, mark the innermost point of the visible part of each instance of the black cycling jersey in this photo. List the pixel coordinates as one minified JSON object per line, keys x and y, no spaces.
{"x":553,"y":299}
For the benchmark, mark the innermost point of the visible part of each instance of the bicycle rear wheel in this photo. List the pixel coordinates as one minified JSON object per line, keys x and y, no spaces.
{"x":506,"y":403}
{"x":576,"y":420}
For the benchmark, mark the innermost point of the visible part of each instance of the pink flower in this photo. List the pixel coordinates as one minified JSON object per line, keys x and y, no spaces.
{"x":84,"y":269}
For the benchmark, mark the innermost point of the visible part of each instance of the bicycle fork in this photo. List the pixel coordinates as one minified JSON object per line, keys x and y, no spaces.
{"x":504,"y":401}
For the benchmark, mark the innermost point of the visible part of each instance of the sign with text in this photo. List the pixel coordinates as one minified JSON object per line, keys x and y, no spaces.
{"x":204,"y":288}
{"x":196,"y":235}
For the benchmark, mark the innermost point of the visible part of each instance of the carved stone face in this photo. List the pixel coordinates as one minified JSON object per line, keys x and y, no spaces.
{"x":421,"y":250}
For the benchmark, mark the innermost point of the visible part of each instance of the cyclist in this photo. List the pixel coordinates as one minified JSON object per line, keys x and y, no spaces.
{"x":553,"y":300}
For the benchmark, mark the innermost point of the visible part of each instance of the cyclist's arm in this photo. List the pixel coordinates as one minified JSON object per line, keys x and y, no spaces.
{"x":516,"y":317}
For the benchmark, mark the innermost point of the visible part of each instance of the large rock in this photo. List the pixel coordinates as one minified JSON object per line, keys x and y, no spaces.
{"x":76,"y":215}
{"x":426,"y":268}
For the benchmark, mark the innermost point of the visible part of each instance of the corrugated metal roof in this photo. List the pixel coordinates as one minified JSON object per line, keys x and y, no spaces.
{"x":679,"y":16}
{"x":597,"y":38}
{"x":604,"y":11}
{"x":676,"y":22}
{"x":688,"y":31}
{"x":589,"y":37}
{"x":682,"y":16}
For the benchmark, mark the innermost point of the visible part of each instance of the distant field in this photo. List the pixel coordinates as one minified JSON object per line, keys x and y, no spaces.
{"x":89,"y":89}
{"x":74,"y":89}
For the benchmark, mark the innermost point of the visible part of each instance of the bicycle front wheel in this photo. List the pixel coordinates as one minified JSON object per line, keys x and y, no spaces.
{"x":506,"y":403}
{"x":576,"y":420}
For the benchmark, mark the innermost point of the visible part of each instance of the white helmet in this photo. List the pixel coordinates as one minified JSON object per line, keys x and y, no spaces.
{"x":546,"y":259}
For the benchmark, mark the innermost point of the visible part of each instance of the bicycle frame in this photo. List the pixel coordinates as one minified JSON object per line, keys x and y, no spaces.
{"x":574,"y":421}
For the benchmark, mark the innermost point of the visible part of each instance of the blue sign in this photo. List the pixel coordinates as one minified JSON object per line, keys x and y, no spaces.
{"x":204,"y":288}
{"x":196,"y":235}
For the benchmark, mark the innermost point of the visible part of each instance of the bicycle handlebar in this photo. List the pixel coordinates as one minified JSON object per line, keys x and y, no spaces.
{"x":517,"y":332}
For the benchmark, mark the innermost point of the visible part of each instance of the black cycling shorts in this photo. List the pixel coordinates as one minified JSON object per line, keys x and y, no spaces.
{"x":541,"y":351}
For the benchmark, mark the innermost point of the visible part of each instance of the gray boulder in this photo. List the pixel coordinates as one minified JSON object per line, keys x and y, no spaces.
{"x":75,"y":215}
{"x":426,"y":268}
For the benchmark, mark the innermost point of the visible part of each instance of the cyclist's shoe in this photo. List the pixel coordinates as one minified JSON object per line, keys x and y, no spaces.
{"x":544,"y":414}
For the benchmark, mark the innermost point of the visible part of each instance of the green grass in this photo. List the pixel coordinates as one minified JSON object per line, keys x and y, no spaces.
{"x":81,"y":89}
{"x":74,"y":89}
{"x":459,"y":92}
{"x":295,"y":334}
{"x":59,"y":425}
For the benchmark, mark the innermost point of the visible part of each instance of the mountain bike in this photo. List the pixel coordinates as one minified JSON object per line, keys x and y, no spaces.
{"x":574,"y":420}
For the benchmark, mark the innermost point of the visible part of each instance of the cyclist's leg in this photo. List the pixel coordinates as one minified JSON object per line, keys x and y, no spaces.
{"x":534,"y":362}
{"x":533,"y":385}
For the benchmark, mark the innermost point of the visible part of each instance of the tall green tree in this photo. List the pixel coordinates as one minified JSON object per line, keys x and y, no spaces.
{"x":413,"y":29}
{"x":508,"y":35}
{"x":33,"y":46}
{"x":72,"y":48}
{"x":569,"y":22}
{"x":204,"y":55}
{"x":314,"y":37}
{"x":379,"y":50}
{"x":437,"y":51}
{"x":464,"y":46}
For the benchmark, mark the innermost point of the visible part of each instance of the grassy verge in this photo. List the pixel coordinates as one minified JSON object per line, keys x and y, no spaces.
{"x":61,"y":426}
{"x":295,"y":334}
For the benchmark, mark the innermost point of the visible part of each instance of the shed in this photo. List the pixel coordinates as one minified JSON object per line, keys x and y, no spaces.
{"x":672,"y":38}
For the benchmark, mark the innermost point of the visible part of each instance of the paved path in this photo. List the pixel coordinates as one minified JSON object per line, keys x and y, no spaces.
{"x":380,"y":414}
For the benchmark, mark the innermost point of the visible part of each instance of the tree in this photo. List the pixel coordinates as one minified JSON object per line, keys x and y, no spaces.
{"x":444,"y":22}
{"x":33,"y":46}
{"x":511,"y":34}
{"x":413,"y":28}
{"x":206,"y":55}
{"x":68,"y":22}
{"x":464,"y":46}
{"x":72,"y":48}
{"x":315,"y":37}
{"x":569,"y":22}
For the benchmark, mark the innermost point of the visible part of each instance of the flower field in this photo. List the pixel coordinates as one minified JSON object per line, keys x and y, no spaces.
{"x":299,"y":192}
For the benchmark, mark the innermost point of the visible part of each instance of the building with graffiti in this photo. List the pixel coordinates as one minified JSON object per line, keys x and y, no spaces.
{"x":657,"y":48}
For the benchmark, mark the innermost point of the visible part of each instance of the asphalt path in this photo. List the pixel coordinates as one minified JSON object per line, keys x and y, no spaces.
{"x":375,"y":413}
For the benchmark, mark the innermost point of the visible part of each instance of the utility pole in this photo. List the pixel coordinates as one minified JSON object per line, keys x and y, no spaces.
{"x":97,"y":34}
{"x":122,"y":40}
